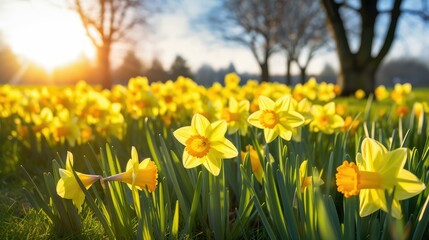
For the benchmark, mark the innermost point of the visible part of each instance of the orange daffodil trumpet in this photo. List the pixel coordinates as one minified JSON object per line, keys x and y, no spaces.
{"x":68,"y":187}
{"x":276,"y":118}
{"x":378,"y":170}
{"x":142,"y":175}
{"x":205,"y":144}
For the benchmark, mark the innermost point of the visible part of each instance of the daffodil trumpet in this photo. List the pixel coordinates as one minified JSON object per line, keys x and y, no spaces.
{"x":142,"y":175}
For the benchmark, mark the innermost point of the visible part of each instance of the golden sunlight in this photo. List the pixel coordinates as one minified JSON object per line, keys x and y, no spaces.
{"x":48,"y":35}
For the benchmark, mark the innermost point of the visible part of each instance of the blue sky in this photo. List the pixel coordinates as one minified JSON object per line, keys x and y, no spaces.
{"x":177,"y":30}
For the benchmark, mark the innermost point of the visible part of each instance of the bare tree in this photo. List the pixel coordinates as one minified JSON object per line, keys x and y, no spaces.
{"x":107,"y":22}
{"x":302,"y":33}
{"x":358,"y":67}
{"x":251,"y":23}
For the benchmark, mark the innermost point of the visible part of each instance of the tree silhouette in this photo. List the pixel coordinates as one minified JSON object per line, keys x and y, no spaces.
{"x":156,"y":72}
{"x":251,"y":23}
{"x":179,"y":68}
{"x":205,"y":75}
{"x":328,"y":74}
{"x":301,"y":34}
{"x":409,"y":70}
{"x":358,"y":67}
{"x":131,"y":67}
{"x":107,"y":22}
{"x":9,"y":63}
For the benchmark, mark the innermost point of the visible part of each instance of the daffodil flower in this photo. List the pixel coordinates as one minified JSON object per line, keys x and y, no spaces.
{"x":205,"y":144}
{"x":236,"y":116}
{"x":68,"y":187}
{"x":142,"y":175}
{"x":325,"y":119}
{"x":276,"y":118}
{"x":378,"y":170}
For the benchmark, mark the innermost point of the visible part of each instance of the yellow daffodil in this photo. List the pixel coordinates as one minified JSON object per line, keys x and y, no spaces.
{"x":306,"y":180}
{"x":378,"y":170}
{"x":205,"y":144}
{"x":143,"y":175}
{"x":325,"y":119}
{"x":381,"y":93}
{"x":232,"y":80}
{"x":68,"y":187}
{"x":236,"y":116}
{"x":276,"y":118}
{"x":401,"y":92}
{"x":254,"y":160}
{"x":360,"y":94}
{"x":325,"y":92}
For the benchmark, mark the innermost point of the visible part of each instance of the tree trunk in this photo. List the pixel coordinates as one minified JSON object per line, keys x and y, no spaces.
{"x":356,"y":78}
{"x":303,"y":76}
{"x":288,"y":71}
{"x":103,"y":72}
{"x":265,"y":74}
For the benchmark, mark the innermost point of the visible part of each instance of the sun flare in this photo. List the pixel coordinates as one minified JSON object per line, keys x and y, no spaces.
{"x":48,"y":35}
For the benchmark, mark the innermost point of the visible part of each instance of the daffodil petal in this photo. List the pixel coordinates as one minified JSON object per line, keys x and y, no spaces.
{"x":254,"y":119}
{"x":69,"y":161}
{"x":225,"y":148}
{"x":243,"y":106}
{"x":283,"y":103}
{"x":337,"y":122}
{"x":284,"y":133}
{"x":361,"y":163}
{"x":369,"y":202}
{"x":60,"y":188}
{"x":329,"y":108}
{"x":372,"y":153}
{"x":190,"y":161}
{"x":143,"y":164}
{"x":65,"y":173}
{"x":232,"y":103}
{"x":213,"y":164}
{"x":303,"y":169}
{"x":134,"y":155}
{"x":408,"y":185}
{"x":270,"y":134}
{"x":199,"y":124}
{"x":265,"y":103}
{"x":316,"y":110}
{"x":396,"y":209}
{"x":182,"y":134}
{"x":78,"y":201}
{"x":292,"y":118}
{"x":394,"y":162}
{"x":218,"y":130}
